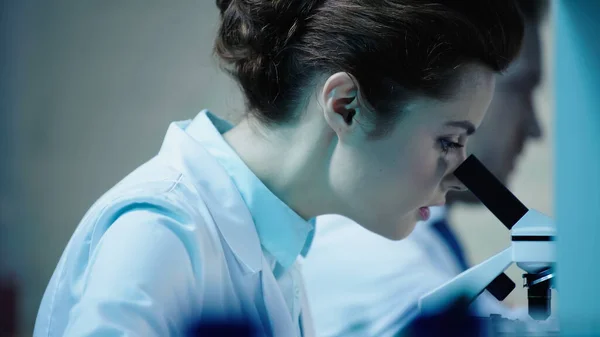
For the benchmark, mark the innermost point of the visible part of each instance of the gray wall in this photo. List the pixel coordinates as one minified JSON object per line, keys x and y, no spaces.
{"x":8,"y":59}
{"x":96,"y":85}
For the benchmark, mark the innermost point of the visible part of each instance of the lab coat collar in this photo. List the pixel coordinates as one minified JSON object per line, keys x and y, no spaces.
{"x":282,"y":232}
{"x":218,"y":192}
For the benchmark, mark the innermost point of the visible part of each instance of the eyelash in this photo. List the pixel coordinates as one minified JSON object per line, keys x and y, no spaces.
{"x":448,"y":145}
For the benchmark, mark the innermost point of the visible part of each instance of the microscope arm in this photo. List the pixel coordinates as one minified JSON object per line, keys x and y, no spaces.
{"x":467,"y":285}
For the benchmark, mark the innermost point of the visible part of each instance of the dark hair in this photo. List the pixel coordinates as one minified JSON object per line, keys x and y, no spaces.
{"x":394,"y":49}
{"x":533,"y":10}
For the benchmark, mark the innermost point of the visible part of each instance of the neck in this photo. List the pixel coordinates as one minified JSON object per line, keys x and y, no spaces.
{"x":289,"y":161}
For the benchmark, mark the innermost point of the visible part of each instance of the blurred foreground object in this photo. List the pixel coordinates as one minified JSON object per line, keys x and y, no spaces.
{"x":458,"y":320}
{"x":454,"y":320}
{"x":8,"y":307}
{"x":223,"y":328}
{"x":577,"y":164}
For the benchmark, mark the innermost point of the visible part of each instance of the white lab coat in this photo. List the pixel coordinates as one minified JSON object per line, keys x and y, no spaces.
{"x":171,"y":243}
{"x":361,"y":284}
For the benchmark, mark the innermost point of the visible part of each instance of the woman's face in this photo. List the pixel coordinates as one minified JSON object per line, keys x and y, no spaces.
{"x":386,"y":184}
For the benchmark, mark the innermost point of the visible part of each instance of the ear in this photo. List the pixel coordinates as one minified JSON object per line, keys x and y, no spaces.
{"x":340,"y":97}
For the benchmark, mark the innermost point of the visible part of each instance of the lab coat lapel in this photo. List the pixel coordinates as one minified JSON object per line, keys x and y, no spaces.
{"x":280,"y":318}
{"x":305,"y":316}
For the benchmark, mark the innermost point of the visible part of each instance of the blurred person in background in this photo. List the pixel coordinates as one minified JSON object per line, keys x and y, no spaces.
{"x":360,"y":284}
{"x":353,"y":106}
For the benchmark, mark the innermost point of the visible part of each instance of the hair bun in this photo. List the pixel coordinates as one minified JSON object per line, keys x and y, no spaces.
{"x":223,"y":5}
{"x":262,"y":27}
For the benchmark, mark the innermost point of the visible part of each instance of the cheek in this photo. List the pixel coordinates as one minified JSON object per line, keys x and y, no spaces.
{"x":363,"y":172}
{"x":428,"y":167}
{"x":402,"y":177}
{"x":427,"y":160}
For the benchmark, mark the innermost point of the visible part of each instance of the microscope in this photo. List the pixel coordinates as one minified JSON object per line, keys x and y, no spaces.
{"x":532,"y":249}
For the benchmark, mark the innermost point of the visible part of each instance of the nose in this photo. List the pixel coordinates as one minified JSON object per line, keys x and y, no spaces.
{"x":533,"y":127}
{"x":454,"y":184}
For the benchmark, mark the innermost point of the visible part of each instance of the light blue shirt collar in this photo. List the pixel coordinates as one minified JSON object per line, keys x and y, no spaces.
{"x":282,"y":232}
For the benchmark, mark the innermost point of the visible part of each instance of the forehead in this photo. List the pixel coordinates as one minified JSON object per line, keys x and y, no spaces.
{"x":471,"y":98}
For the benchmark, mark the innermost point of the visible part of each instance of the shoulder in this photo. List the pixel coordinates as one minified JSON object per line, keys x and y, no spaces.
{"x":347,"y":250}
{"x":170,"y":202}
{"x":144,"y":273}
{"x":154,"y":187}
{"x":346,"y":257}
{"x":340,"y":238}
{"x":150,"y":239}
{"x":155,"y":210}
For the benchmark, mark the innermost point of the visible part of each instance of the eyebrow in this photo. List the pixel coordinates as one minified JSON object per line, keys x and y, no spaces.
{"x":468,"y":126}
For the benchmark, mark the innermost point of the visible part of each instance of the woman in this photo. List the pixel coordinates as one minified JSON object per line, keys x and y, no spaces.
{"x":360,"y":108}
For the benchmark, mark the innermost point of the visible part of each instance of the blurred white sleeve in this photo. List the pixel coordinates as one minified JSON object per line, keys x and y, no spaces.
{"x":139,"y":280}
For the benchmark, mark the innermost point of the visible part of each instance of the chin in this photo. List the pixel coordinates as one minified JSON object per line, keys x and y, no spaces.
{"x":403,"y":230}
{"x":394,"y":230}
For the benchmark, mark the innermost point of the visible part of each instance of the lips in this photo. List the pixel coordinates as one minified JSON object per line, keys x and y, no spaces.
{"x":424,"y":213}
